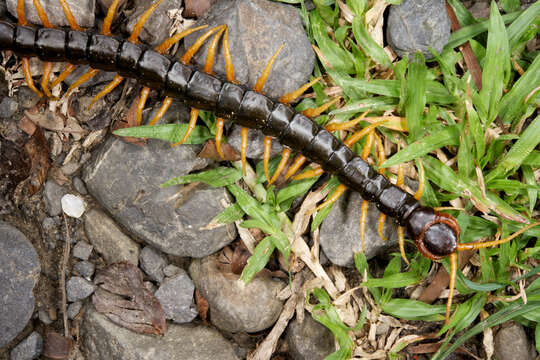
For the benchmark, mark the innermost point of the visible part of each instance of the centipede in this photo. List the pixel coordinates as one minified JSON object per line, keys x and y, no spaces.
{"x":436,"y":234}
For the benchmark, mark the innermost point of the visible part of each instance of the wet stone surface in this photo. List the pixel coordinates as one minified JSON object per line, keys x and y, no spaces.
{"x":163,"y":217}
{"x":236,"y":307}
{"x":416,"y":25}
{"x":105,"y":340}
{"x":309,"y":340}
{"x":340,"y":231}
{"x":19,"y":273}
{"x":82,"y":10}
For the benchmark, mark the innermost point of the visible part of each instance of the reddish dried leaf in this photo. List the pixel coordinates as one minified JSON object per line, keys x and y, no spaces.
{"x":209,"y":151}
{"x":37,"y":150}
{"x":122,"y":297}
{"x":239,"y":259}
{"x":130,"y":120}
{"x":195,"y":8}
{"x":26,"y":125}
{"x":56,"y":346}
{"x":202,"y":306}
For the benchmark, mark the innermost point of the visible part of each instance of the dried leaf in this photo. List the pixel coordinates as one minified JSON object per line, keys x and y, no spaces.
{"x":239,"y":259}
{"x":202,"y":306}
{"x":122,"y":297}
{"x":56,"y":346}
{"x":37,"y":150}
{"x":209,"y":151}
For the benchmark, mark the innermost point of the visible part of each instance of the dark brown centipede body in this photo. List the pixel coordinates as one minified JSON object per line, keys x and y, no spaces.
{"x":436,"y":234}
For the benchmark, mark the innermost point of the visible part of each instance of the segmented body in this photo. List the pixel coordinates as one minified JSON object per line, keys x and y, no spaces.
{"x":436,"y":234}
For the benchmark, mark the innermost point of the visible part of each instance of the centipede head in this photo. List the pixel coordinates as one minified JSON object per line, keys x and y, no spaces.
{"x":436,"y":234}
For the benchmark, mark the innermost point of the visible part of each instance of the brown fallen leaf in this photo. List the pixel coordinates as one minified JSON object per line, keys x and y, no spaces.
{"x":239,"y":259}
{"x":209,"y":151}
{"x":130,"y":120}
{"x":195,"y":8}
{"x":202,"y":307}
{"x":37,"y":150}
{"x":122,"y":297}
{"x":56,"y":346}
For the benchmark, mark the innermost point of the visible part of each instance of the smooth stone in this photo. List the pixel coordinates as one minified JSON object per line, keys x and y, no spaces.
{"x":82,"y":250}
{"x":82,"y":10}
{"x":73,"y":205}
{"x":27,"y":98}
{"x":19,"y":273}
{"x":416,"y":25}
{"x":257,"y":28}
{"x":236,"y":307}
{"x":152,"y":262}
{"x":171,"y":270}
{"x":154,"y":214}
{"x":74,"y":309}
{"x":78,"y":184}
{"x":8,"y":107}
{"x":108,"y":240}
{"x":511,"y":343}
{"x":28,"y":349}
{"x":85,"y":269}
{"x":176,"y":298}
{"x":340,"y":231}
{"x":53,"y":194}
{"x":309,"y":340}
{"x":78,"y":288}
{"x":103,"y":339}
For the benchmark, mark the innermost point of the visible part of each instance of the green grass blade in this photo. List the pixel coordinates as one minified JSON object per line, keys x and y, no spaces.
{"x":168,"y":132}
{"x":229,"y":215}
{"x":413,"y":310}
{"x":366,"y":42}
{"x":416,"y":97}
{"x":522,"y":23}
{"x":258,"y":260}
{"x":529,"y":178}
{"x":217,"y":177}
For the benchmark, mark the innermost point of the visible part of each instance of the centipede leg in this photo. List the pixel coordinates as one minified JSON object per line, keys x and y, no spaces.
{"x":285,"y":154}
{"x":453,"y":258}
{"x":107,"y":89}
{"x":314,"y":112}
{"x":47,"y":67}
{"x":194,"y":115}
{"x":293,"y":95}
{"x":365,"y":204}
{"x":297,"y":164}
{"x":162,"y":110}
{"x":220,"y":124}
{"x":317,"y":171}
{"x":21,"y":17}
{"x":141,"y":104}
{"x":69,"y":16}
{"x":340,"y":189}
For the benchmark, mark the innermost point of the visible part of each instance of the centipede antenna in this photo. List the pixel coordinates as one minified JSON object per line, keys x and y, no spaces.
{"x":317,"y":171}
{"x":134,"y":36}
{"x":340,"y":189}
{"x":453,"y":258}
{"x":297,"y":164}
{"x":485,"y":244}
{"x":220,"y":124}
{"x":285,"y":154}
{"x":194,"y":114}
{"x":69,"y":16}
{"x":162,"y":110}
{"x":141,"y":104}
{"x":293,"y":95}
{"x":192,"y":50}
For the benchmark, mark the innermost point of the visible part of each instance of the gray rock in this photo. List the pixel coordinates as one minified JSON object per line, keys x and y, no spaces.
{"x":416,"y":25}
{"x":156,"y":29}
{"x":19,"y":273}
{"x":83,"y":11}
{"x":78,"y":184}
{"x":157,"y":215}
{"x":78,"y":288}
{"x":103,"y":339}
{"x":85,"y":268}
{"x":74,"y":309}
{"x":309,"y":340}
{"x":340,"y":231}
{"x":511,"y":343}
{"x":8,"y":107}
{"x":152,"y":262}
{"x":255,"y":148}
{"x":3,"y":8}
{"x":257,"y":28}
{"x":27,"y":98}
{"x":176,"y":298}
{"x":108,"y":240}
{"x":171,"y":270}
{"x":28,"y":349}
{"x":480,"y":9}
{"x":53,"y":194}
{"x":236,"y":307}
{"x":43,"y":316}
{"x":82,"y":250}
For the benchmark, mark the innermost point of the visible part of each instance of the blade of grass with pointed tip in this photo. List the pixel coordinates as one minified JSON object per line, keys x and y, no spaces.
{"x":522,"y":23}
{"x":366,"y":42}
{"x":218,"y":177}
{"x":168,"y":132}
{"x":416,"y":98}
{"x":258,"y":260}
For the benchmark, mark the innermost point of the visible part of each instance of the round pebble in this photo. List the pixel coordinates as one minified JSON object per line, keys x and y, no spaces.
{"x":73,"y":205}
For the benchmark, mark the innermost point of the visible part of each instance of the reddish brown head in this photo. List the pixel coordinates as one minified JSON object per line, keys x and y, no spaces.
{"x":436,"y":234}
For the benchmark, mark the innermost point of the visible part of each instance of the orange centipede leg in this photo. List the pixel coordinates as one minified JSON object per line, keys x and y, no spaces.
{"x":107,"y":89}
{"x":353,"y":139}
{"x":266,"y":157}
{"x":21,"y":20}
{"x":142,"y":102}
{"x":285,"y":154}
{"x":220,"y":124}
{"x":317,"y":171}
{"x":82,"y":79}
{"x":380,"y":226}
{"x":453,"y":258}
{"x":162,"y":110}
{"x":346,"y":125}
{"x":69,"y":16}
{"x":192,"y":50}
{"x":293,"y":95}
{"x":266,"y":72}
{"x":297,"y":164}
{"x":47,"y":67}
{"x":244,"y":135}
{"x":363,"y":221}
{"x":63,"y":75}
{"x":134,"y":36}
{"x":421,"y":180}
{"x":401,"y":229}
{"x":191,"y":126}
{"x":313,"y":113}
{"x":340,"y":189}
{"x":107,"y":23}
